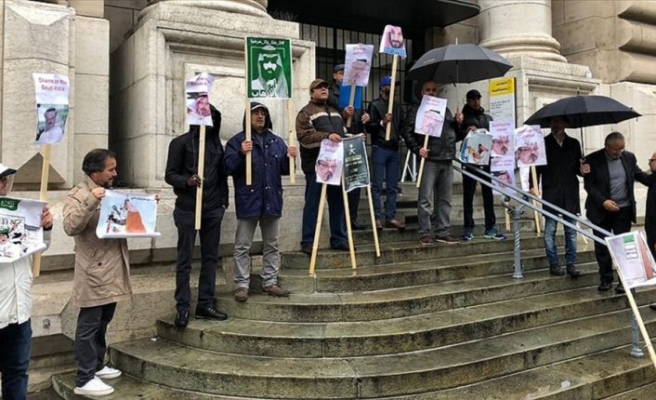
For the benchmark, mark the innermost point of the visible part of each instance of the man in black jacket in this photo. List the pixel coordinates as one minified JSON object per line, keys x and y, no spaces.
{"x":474,"y":118}
{"x":611,"y":203}
{"x":385,"y":154}
{"x":182,"y":174}
{"x":560,"y":187}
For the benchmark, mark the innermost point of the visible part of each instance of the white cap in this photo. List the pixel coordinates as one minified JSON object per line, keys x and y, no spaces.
{"x":6,"y":171}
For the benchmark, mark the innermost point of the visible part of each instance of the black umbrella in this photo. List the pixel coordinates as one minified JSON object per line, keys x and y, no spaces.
{"x":459,"y":63}
{"x":582,"y":111}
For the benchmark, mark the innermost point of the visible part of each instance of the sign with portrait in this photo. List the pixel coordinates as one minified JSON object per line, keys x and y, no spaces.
{"x":330,"y":163}
{"x":52,"y":93}
{"x":503,"y":145}
{"x":530,"y":149}
{"x":197,"y":92}
{"x":475,"y":148}
{"x":633,"y":259}
{"x":358,"y":64}
{"x":269,"y":74}
{"x":356,"y":167}
{"x":392,"y":41}
{"x":430,"y":116}
{"x":20,"y":228}
{"x":127,"y":215}
{"x":505,"y":178}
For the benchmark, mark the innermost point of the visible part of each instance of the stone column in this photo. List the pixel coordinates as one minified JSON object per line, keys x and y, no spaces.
{"x":256,"y":8}
{"x":518,"y":28}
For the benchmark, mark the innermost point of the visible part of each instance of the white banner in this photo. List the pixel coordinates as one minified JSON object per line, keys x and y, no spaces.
{"x":20,"y":228}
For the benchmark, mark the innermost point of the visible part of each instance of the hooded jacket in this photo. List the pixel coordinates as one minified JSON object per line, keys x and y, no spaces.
{"x":476,"y":118}
{"x":182,"y":163}
{"x":269,"y":162}
{"x":440,"y":149}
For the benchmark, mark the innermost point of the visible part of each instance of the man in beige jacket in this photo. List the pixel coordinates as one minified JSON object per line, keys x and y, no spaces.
{"x":102,"y":273}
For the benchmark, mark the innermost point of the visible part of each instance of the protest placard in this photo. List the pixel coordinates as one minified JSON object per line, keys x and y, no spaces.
{"x":52,"y":93}
{"x":530,"y":149}
{"x":506,"y":178}
{"x":503,"y":141}
{"x":358,"y":64}
{"x":197,"y":92}
{"x":127,"y":215}
{"x":345,"y":96}
{"x":330,"y":163}
{"x":475,"y":148}
{"x":392,"y":41}
{"x":633,"y":259}
{"x":430,"y":116}
{"x":269,"y":72}
{"x":20,"y":228}
{"x":356,"y":167}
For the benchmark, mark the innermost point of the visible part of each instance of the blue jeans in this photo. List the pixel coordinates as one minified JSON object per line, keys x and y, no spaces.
{"x":385,"y":164}
{"x":15,"y":344}
{"x":311,"y":212}
{"x":550,"y":241}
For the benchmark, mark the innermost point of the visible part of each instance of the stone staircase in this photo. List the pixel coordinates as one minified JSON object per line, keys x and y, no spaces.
{"x":443,"y":322}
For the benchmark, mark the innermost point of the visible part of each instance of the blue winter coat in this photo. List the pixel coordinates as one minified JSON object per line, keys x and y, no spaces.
{"x":264,"y":196}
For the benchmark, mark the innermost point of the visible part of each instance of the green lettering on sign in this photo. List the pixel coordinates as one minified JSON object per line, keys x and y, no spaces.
{"x":9,"y":204}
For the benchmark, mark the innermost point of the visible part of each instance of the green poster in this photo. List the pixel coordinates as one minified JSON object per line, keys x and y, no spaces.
{"x":269,"y":72}
{"x":356,"y":167}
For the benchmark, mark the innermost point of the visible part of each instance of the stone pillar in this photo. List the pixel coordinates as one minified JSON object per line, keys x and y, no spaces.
{"x":256,"y":8}
{"x":518,"y":28}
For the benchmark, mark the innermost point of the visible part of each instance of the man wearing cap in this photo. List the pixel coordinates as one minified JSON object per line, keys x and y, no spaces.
{"x":474,"y":117}
{"x":16,"y":308}
{"x":385,"y":154}
{"x":260,"y":202}
{"x":436,"y":187}
{"x":315,"y":122}
{"x":358,"y":120}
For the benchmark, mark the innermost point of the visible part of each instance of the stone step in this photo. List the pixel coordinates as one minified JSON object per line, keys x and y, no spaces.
{"x":186,"y":368}
{"x":405,"y":334}
{"x":402,"y":301}
{"x":647,"y":392}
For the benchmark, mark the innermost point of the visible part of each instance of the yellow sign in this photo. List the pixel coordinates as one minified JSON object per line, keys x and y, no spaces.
{"x":502,"y":87}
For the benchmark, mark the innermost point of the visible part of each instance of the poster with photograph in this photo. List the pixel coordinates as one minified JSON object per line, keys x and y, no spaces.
{"x":52,"y":93}
{"x":197,"y":92}
{"x":127,"y":215}
{"x":345,"y":97}
{"x":20,"y":228}
{"x":502,"y":163}
{"x":330,"y":163}
{"x":358,"y":64}
{"x":269,"y":74}
{"x":392,"y":41}
{"x":529,"y":146}
{"x":503,"y":141}
{"x":633,"y":259}
{"x":506,"y":178}
{"x":475,"y":148}
{"x":356,"y":167}
{"x":430,"y":116}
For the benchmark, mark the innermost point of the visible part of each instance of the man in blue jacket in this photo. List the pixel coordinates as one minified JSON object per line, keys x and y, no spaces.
{"x":258,"y":203}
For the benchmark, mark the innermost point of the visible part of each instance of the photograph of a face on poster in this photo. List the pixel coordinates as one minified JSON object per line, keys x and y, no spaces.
{"x":51,"y":107}
{"x":502,"y":163}
{"x":330,"y":163}
{"x":392,"y":41}
{"x":506,"y":178}
{"x":358,"y":64}
{"x":529,"y":146}
{"x":126,"y":215}
{"x":503,"y":142}
{"x":475,"y":148}
{"x":198,"y":102}
{"x":20,"y":231}
{"x":269,"y":68}
{"x":430,"y":116}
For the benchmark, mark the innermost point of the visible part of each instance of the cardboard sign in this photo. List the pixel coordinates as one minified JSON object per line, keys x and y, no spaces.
{"x":356,"y":166}
{"x":127,"y":215}
{"x":430,"y":116}
{"x":330,"y":163}
{"x":269,"y":74}
{"x":197,"y":92}
{"x":392,"y":41}
{"x":358,"y":64}
{"x":633,"y":259}
{"x":20,"y":228}
{"x":52,"y":93}
{"x":475,"y":148}
{"x":529,"y":146}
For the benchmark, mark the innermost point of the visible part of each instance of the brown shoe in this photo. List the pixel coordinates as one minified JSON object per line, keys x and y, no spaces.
{"x":275,"y":290}
{"x":379,"y":225}
{"x":241,"y":294}
{"x":395,"y":223}
{"x":448,"y":239}
{"x":426,"y":240}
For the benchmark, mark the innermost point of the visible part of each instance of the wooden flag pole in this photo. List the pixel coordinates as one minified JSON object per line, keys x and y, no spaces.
{"x":292,"y":160}
{"x":421,"y":164}
{"x":373,"y":221}
{"x":317,"y":229}
{"x":390,"y":106}
{"x":507,"y":203}
{"x":349,"y":231}
{"x":43,"y":194}
{"x":534,"y":177}
{"x":351,"y":102}
{"x":201,"y":174}
{"x":249,"y":164}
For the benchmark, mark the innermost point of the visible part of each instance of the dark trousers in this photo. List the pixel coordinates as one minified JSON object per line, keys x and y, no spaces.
{"x":354,"y":203}
{"x":617,"y":223}
{"x":311,"y":212}
{"x":90,"y":346}
{"x":210,"y":236}
{"x":15,"y":343}
{"x":469,"y":189}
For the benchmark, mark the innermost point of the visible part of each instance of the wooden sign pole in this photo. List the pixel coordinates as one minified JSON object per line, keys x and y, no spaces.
{"x":349,"y":231}
{"x":390,"y":106}
{"x":373,"y":221}
{"x":351,"y":102}
{"x":43,"y":194}
{"x":291,"y":121}
{"x":534,"y":177}
{"x":421,"y":164}
{"x":317,"y":230}
{"x":249,"y":164}
{"x":201,"y":174}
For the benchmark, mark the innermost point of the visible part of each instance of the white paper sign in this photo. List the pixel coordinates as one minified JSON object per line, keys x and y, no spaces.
{"x":475,"y":148}
{"x":358,"y":64}
{"x":507,"y":178}
{"x":20,"y":228}
{"x":127,"y":215}
{"x":392,"y":41}
{"x":52,"y":92}
{"x":529,"y":146}
{"x":633,"y":258}
{"x":330,"y":163}
{"x":197,"y":91}
{"x":430,"y":116}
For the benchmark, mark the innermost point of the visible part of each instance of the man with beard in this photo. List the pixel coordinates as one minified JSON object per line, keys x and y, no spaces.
{"x":395,"y":37}
{"x":385,"y":154}
{"x":475,"y":118}
{"x":271,"y":80}
{"x":52,"y":133}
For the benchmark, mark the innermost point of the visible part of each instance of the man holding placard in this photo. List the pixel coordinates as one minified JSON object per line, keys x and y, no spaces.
{"x":315,"y":122}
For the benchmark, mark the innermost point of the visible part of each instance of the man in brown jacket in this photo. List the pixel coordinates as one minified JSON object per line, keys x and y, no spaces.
{"x":102,"y":273}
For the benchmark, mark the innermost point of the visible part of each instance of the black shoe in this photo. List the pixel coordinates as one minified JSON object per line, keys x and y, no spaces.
{"x":307,"y":250}
{"x":556,"y":270}
{"x":355,"y":226}
{"x":605,"y":286}
{"x":181,"y":319}
{"x":653,"y":306}
{"x":210,"y":313}
{"x":573,"y":271}
{"x":619,"y":289}
{"x":342,"y":247}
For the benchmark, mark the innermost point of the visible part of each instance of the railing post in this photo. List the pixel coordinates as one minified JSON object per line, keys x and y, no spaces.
{"x":516,"y":214}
